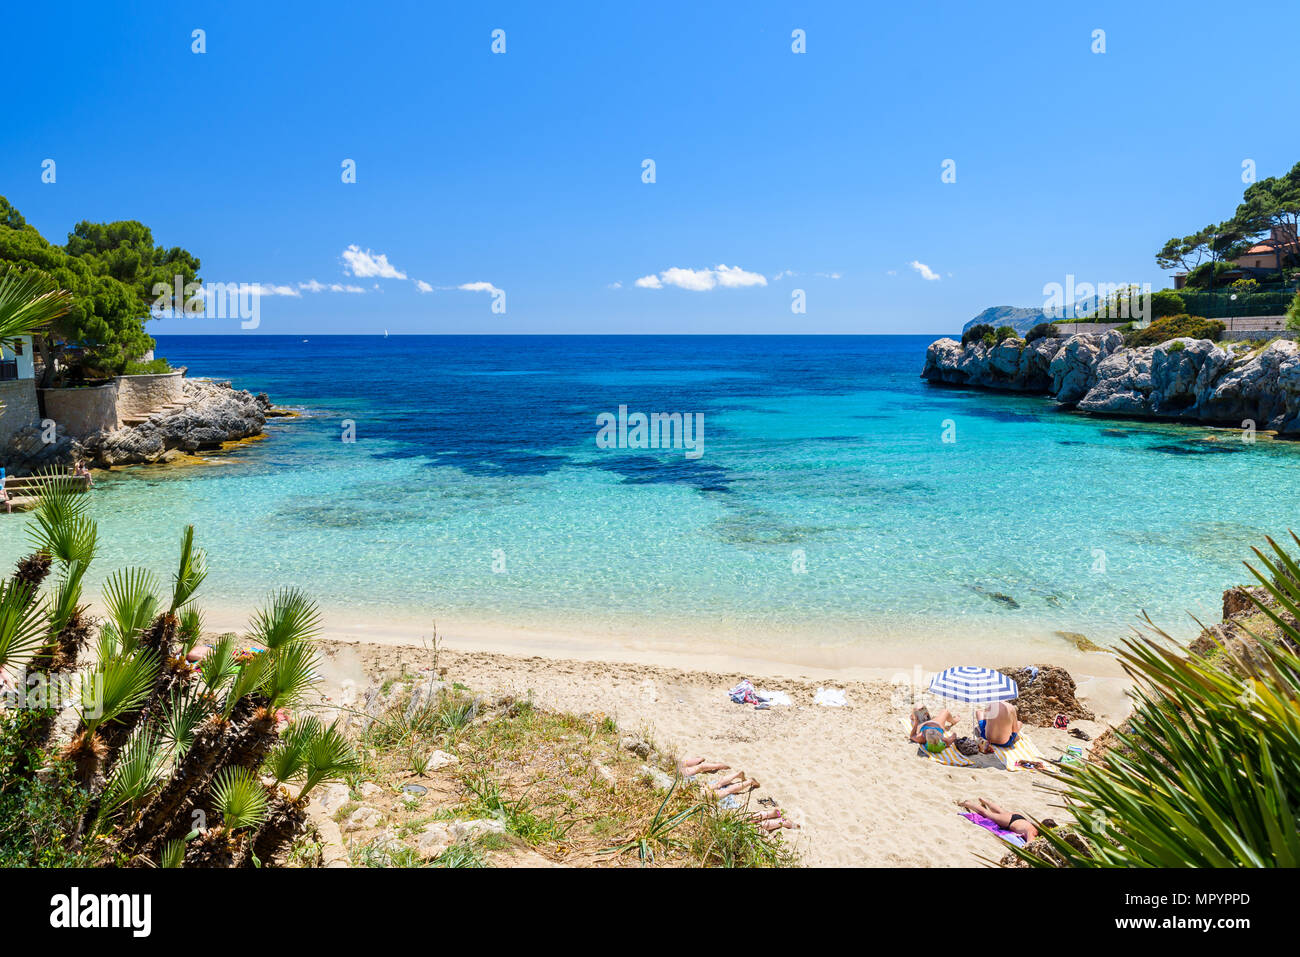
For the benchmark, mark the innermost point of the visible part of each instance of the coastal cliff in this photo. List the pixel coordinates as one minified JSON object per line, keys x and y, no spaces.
{"x":209,"y":414}
{"x":1193,"y":380}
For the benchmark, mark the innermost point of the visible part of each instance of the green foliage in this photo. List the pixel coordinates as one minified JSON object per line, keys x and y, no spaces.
{"x":29,"y":302}
{"x":38,"y":815}
{"x":1293,"y":313}
{"x":1166,"y":302}
{"x":110,"y":270}
{"x":976,"y":333}
{"x":1175,"y":327}
{"x":1208,"y":769}
{"x":1044,"y":330}
{"x":1004,"y":333}
{"x":1178,"y":346}
{"x":152,"y":367}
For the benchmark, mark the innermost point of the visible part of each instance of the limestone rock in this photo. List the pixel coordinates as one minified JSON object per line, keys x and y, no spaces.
{"x":331,"y":797}
{"x":441,"y":759}
{"x":363,"y":817}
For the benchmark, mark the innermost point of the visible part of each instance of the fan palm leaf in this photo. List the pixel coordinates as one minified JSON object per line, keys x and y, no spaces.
{"x":240,"y":797}
{"x":137,"y":770}
{"x":330,"y":755}
{"x":29,"y":302}
{"x":292,"y":617}
{"x":193,"y":569}
{"x":67,"y":595}
{"x":118,"y":686}
{"x":60,"y":526}
{"x":288,"y":758}
{"x":131,"y":599}
{"x":290,"y":674}
{"x":23,"y":625}
{"x":218,"y":666}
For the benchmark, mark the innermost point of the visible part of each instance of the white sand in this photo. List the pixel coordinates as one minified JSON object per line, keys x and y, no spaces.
{"x":848,"y":775}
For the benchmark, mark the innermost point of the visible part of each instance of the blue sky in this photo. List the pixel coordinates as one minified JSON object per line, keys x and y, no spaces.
{"x":523,"y":170}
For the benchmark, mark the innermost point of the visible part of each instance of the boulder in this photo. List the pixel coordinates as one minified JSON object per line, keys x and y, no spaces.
{"x":1043,"y":697}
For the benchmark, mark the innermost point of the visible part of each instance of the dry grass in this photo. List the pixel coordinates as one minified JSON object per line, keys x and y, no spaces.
{"x":562,"y":785}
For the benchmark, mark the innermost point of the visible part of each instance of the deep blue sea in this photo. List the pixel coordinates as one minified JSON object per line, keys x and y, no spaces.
{"x":825,"y":508}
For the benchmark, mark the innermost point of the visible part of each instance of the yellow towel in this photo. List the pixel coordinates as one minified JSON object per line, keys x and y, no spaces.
{"x":949,"y":756}
{"x":1022,"y":750}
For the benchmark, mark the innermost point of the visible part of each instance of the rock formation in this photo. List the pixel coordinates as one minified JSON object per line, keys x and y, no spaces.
{"x":1184,"y":379}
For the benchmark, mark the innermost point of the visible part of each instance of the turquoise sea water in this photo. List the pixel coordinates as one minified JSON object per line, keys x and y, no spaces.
{"x":826,"y":509}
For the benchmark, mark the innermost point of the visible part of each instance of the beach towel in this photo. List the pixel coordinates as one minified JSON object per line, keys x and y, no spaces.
{"x":949,"y":756}
{"x":1022,"y":750}
{"x":774,"y":697}
{"x":744,"y":693}
{"x":830,"y":697}
{"x":1011,"y":837}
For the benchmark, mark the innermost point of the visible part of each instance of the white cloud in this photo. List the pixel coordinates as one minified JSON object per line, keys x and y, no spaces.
{"x":423,"y":286}
{"x":783,"y":274}
{"x":315,"y":286}
{"x":733,"y":277}
{"x":925,"y":271}
{"x":364,"y":264}
{"x":271,"y":289}
{"x":614,"y":285}
{"x":828,"y":275}
{"x":703,"y":280}
{"x":479,"y":287}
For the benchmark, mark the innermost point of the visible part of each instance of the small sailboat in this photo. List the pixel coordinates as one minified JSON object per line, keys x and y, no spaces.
{"x":385,"y":333}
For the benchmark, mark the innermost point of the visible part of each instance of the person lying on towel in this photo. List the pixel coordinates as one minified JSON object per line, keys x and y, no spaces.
{"x":935,"y":733}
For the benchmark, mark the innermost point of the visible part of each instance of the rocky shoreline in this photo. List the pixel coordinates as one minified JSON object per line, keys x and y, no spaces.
{"x":212,"y":414}
{"x":1188,"y":380}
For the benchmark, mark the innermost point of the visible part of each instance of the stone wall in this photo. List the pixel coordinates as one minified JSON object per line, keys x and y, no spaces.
{"x":18,"y":398}
{"x":139,"y":395}
{"x":82,"y":411}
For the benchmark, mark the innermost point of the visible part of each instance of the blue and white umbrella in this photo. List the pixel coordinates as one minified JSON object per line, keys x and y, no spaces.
{"x":974,"y":685}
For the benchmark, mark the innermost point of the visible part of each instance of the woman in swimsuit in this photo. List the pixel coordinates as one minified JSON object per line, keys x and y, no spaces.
{"x":1016,"y":823}
{"x":935,"y":733}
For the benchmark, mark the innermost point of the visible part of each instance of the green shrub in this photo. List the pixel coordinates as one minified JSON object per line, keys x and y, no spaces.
{"x":152,"y":367}
{"x":976,"y":333}
{"x":1044,"y":330}
{"x":1175,"y":327}
{"x":1166,"y":302}
{"x":1293,"y":313}
{"x":1177,"y":346}
{"x":1004,"y":333}
{"x":989,"y":339}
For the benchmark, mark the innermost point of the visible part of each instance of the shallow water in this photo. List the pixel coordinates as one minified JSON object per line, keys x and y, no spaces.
{"x":824,"y":454}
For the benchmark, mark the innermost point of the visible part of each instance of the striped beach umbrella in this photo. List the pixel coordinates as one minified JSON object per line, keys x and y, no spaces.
{"x":973,"y":685}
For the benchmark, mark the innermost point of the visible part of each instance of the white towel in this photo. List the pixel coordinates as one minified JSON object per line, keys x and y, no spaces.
{"x":830,"y":697}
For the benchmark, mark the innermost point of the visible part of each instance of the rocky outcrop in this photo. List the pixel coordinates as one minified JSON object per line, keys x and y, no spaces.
{"x":213,"y":413}
{"x":1183,"y":379}
{"x":34,"y":448}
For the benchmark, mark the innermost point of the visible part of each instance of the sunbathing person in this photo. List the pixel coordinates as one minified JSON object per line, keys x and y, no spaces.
{"x":693,"y":766}
{"x":999,"y":725}
{"x":771,"y":820}
{"x":934,"y":733}
{"x":734,"y":783}
{"x":1016,"y":823}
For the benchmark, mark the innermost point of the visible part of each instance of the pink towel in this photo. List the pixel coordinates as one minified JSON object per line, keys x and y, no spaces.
{"x":1011,"y":837}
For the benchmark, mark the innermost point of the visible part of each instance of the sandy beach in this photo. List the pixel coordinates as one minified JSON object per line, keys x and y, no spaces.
{"x":848,"y":775}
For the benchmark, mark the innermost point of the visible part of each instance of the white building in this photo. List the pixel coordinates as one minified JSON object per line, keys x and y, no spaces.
{"x":16,"y":360}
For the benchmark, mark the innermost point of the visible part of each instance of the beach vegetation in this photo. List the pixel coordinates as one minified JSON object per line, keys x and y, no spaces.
{"x":1003,"y":333}
{"x":1206,"y":772}
{"x":977,"y":333}
{"x":1044,"y":330}
{"x":1293,"y":313}
{"x":1175,"y":327}
{"x":120,"y":751}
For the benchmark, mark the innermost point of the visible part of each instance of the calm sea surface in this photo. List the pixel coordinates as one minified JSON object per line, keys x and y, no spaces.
{"x":826,"y":508}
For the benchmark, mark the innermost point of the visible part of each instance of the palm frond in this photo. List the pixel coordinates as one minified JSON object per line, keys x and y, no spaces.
{"x":187,"y":712}
{"x":23,"y":627}
{"x":292,"y":671}
{"x":191,"y":627}
{"x":136,"y":771}
{"x":67,"y":595}
{"x":29,"y":301}
{"x":193,"y":569}
{"x":132,"y":602}
{"x":219,"y":666}
{"x":240,"y":797}
{"x":292,"y":617}
{"x":60,"y":526}
{"x":248,"y":679}
{"x":117,"y":686}
{"x":288,"y":759}
{"x":330,"y":755}
{"x":173,"y":855}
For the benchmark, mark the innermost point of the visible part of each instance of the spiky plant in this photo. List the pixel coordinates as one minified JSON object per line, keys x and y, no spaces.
{"x":115,"y":689}
{"x":29,"y":301}
{"x":32,"y":570}
{"x":240,"y":800}
{"x":1207,"y":773}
